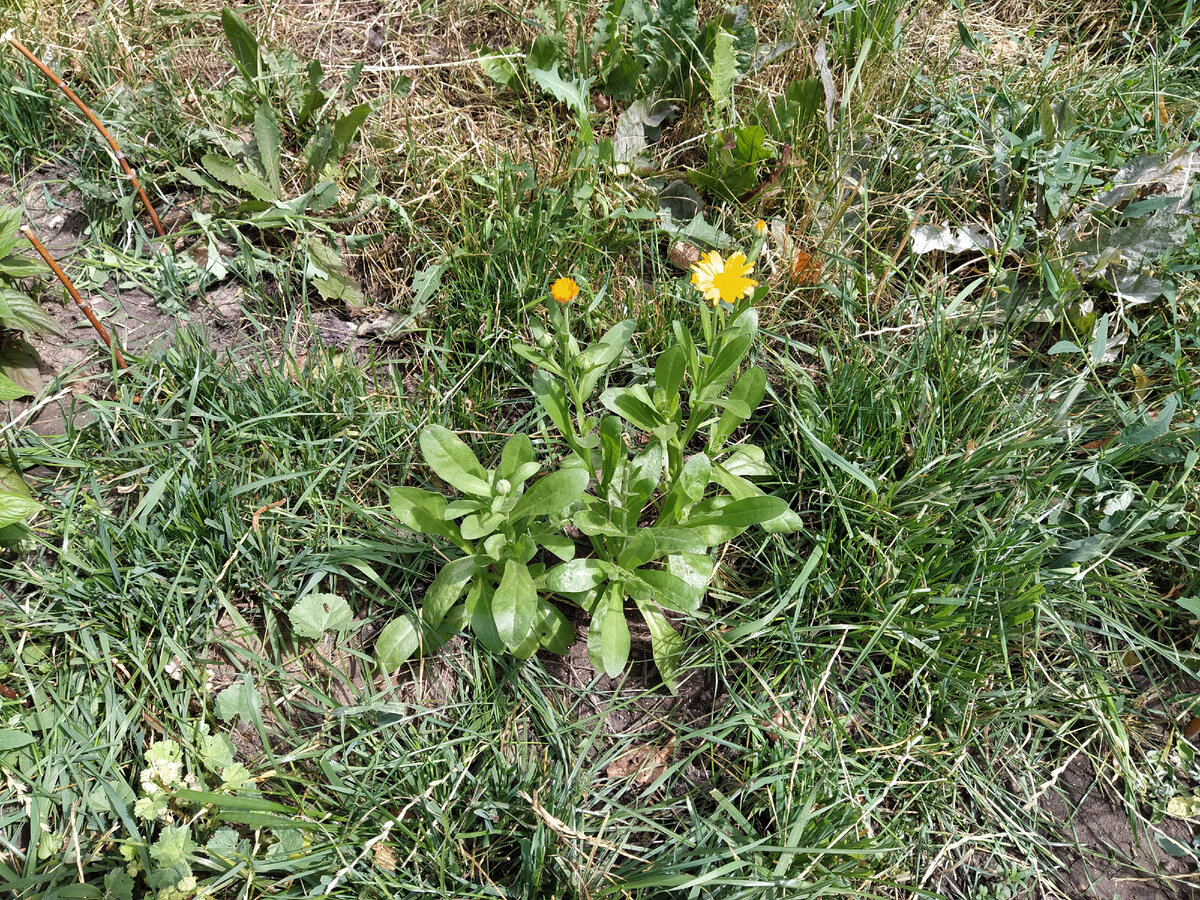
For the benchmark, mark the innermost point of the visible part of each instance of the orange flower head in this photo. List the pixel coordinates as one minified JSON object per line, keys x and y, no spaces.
{"x":564,"y":290}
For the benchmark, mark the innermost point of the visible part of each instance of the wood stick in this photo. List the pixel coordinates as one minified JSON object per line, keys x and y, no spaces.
{"x":87,"y":310}
{"x":112,"y":143}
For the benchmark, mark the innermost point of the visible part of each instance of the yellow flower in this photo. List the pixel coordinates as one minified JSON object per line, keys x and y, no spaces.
{"x":564,"y":290}
{"x":760,"y":228}
{"x":723,"y":279}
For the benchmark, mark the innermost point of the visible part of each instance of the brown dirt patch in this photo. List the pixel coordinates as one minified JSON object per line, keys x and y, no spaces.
{"x":1103,"y":856}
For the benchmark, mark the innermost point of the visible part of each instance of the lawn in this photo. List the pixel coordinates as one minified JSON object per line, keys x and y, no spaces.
{"x":623,"y":449}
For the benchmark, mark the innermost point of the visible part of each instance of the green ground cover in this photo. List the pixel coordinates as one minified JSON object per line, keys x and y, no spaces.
{"x":962,"y":663}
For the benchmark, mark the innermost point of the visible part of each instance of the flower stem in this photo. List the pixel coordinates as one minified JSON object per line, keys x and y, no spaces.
{"x":87,"y":310}
{"x":112,"y":143}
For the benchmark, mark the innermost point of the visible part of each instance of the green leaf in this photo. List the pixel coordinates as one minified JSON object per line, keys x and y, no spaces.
{"x":548,"y":495}
{"x":478,"y":526}
{"x":694,"y":477}
{"x":231,"y":173}
{"x":446,"y":588}
{"x":239,"y":701}
{"x":553,"y":399}
{"x":118,"y":885}
{"x":14,"y":508}
{"x":517,"y":452}
{"x":717,"y":375}
{"x":639,"y":550}
{"x":19,"y":310}
{"x":18,"y":265}
{"x":346,"y":127}
{"x":1158,"y":426}
{"x":724,"y":69}
{"x":10,"y":229}
{"x":747,"y":390}
{"x":666,"y":589}
{"x":479,"y":614}
{"x":314,"y":614}
{"x":669,"y":370}
{"x":421,"y":511}
{"x":742,"y":513}
{"x":633,"y":405}
{"x":608,"y":633}
{"x":268,"y":140}
{"x":10,"y":390}
{"x":576,"y":576}
{"x":453,"y":461}
{"x":514,"y":604}
{"x":665,"y":642}
{"x":498,"y":65}
{"x":676,"y":539}
{"x":11,"y":739}
{"x":173,"y":846}
{"x":606,"y":350}
{"x":558,"y":544}
{"x":573,"y":93}
{"x":553,"y":630}
{"x":645,"y":473}
{"x":399,"y":640}
{"x":243,"y":43}
{"x":612,"y":449}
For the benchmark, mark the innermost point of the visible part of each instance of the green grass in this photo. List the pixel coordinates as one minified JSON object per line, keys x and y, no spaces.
{"x":997,"y":572}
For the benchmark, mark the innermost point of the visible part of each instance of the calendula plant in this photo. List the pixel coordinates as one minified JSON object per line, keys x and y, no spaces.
{"x":651,"y":482}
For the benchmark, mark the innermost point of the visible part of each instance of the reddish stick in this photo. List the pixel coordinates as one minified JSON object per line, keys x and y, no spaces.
{"x":61,"y":85}
{"x":87,"y":310}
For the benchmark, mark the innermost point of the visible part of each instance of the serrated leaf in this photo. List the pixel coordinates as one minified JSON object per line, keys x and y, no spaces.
{"x":724,"y":69}
{"x":314,"y":614}
{"x":242,"y":42}
{"x":239,"y":701}
{"x":346,"y":127}
{"x":268,"y":140}
{"x":229,"y":172}
{"x":572,"y":93}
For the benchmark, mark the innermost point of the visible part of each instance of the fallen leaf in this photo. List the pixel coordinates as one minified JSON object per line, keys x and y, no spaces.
{"x":645,"y":763}
{"x":683,"y":255}
{"x":384,"y":857}
{"x":1141,"y":385}
{"x":1192,"y":730}
{"x":806,"y":268}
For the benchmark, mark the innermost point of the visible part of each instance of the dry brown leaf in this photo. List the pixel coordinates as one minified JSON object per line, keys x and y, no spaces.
{"x":683,"y":255}
{"x":1141,"y":385}
{"x":806,"y":268}
{"x":645,"y":763}
{"x":384,"y":857}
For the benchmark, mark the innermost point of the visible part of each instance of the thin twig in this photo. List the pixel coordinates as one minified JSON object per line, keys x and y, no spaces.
{"x":87,"y":310}
{"x":124,"y":163}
